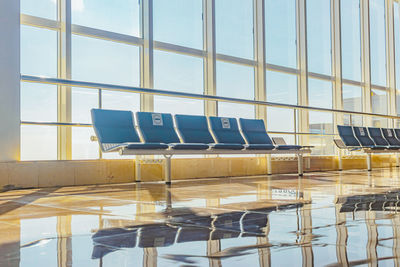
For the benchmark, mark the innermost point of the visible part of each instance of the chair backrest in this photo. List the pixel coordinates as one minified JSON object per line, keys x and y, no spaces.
{"x":377,"y":136}
{"x":391,"y":137}
{"x":157,"y":127}
{"x":362,"y":136}
{"x":254,"y":131}
{"x":226,"y":130}
{"x":347,"y":135}
{"x":397,"y":133}
{"x":193,"y":129}
{"x":114,"y":126}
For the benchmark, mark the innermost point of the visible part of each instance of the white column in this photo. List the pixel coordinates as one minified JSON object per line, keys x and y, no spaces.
{"x":210,"y":82}
{"x":147,"y":81}
{"x":9,"y":80}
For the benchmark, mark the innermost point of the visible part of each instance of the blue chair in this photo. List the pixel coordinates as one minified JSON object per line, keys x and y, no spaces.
{"x":365,"y":140}
{"x":157,"y":127}
{"x":379,"y":139}
{"x":391,"y":137}
{"x":194,"y":129}
{"x":226,"y":132}
{"x":115,"y":129}
{"x":347,"y":135}
{"x":258,"y":138}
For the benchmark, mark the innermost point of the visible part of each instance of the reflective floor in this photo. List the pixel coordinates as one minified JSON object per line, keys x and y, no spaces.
{"x":345,"y":218}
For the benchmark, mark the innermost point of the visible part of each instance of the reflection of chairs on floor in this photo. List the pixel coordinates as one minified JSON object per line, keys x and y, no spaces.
{"x":227,"y":226}
{"x":373,"y":202}
{"x":157,"y":236}
{"x":254,"y":224}
{"x":192,"y":234}
{"x":185,"y":226}
{"x":109,"y":240}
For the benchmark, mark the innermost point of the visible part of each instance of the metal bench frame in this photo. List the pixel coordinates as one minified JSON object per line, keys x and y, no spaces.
{"x":169,"y":153}
{"x":368,"y":151}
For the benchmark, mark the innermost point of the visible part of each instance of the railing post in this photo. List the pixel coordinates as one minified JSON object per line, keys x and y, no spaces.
{"x":300,"y":164}
{"x":138,"y":170}
{"x":269,"y":165}
{"x":167,"y":169}
{"x":369,"y":161}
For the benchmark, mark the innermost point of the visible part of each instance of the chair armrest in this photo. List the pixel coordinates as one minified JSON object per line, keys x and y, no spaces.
{"x":340,"y":144}
{"x":279,"y":141}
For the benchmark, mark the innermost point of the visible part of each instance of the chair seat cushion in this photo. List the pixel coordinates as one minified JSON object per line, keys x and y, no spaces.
{"x":288,"y":147}
{"x":227,"y":146}
{"x":189,"y":146}
{"x":260,"y":147}
{"x":146,"y":146}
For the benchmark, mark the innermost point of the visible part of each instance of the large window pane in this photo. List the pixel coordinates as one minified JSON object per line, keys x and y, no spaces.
{"x":120,"y":100}
{"x":234,"y":110}
{"x":379,"y":101}
{"x":175,"y":72}
{"x":281,"y":88}
{"x":379,"y":122}
{"x":121,"y":17}
{"x":352,"y":101}
{"x":322,"y":145}
{"x":321,"y":122}
{"x":164,"y":104}
{"x":319,"y":36}
{"x":38,"y":142}
{"x":280,"y":32}
{"x":38,"y":102}
{"x":235,"y":80}
{"x":179,"y":22}
{"x":352,"y":97}
{"x":280,"y":119}
{"x":319,"y":93}
{"x":378,"y":42}
{"x":82,"y":147}
{"x":234,"y":27}
{"x":351,"y":39}
{"x":40,"y":8}
{"x":353,"y":120}
{"x":102,"y":61}
{"x":398,"y":102}
{"x":38,"y":51}
{"x":83,"y":100}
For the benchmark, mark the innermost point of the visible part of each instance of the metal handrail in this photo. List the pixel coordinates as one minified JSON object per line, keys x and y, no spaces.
{"x":74,"y":124}
{"x":140,"y":90}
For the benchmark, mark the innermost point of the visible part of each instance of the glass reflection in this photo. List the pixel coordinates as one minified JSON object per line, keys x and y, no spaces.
{"x":319,"y":220}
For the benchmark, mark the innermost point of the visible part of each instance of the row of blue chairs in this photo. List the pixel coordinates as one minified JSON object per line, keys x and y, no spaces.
{"x":116,"y":131}
{"x":370,"y":138}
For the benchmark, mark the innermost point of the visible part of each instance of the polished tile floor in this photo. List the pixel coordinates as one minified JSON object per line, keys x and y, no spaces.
{"x":347,"y":218}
